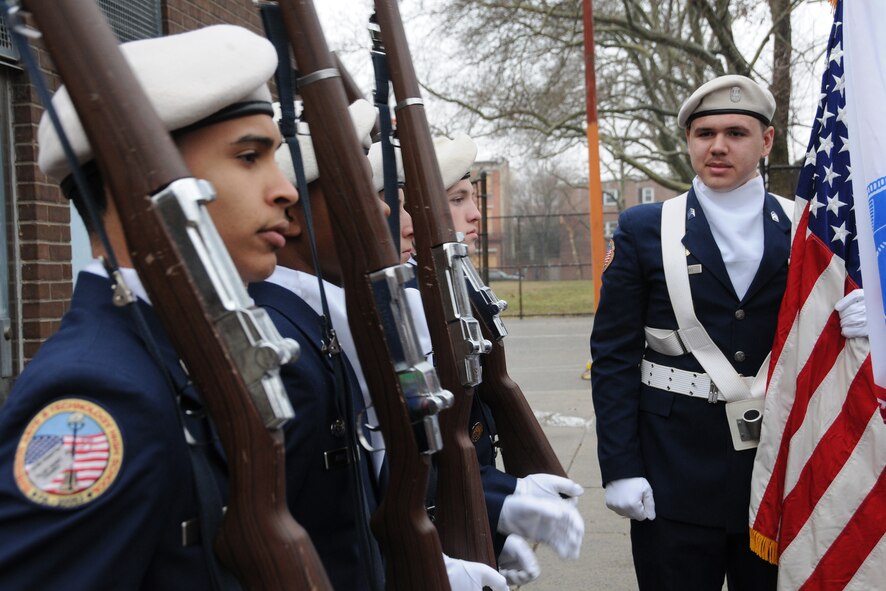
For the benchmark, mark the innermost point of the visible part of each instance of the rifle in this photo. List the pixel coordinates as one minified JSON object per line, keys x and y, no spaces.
{"x":524,"y":447}
{"x":230,"y":347}
{"x":460,"y":506}
{"x":404,"y":387}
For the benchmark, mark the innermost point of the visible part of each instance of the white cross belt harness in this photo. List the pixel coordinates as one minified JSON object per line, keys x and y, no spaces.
{"x":680,"y":381}
{"x":743,"y":397}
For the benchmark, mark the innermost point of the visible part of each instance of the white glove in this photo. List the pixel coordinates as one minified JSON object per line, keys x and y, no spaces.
{"x":517,"y":561}
{"x":853,"y":314}
{"x":472,"y":576}
{"x":551,"y":521}
{"x":549,"y":486}
{"x":631,"y":497}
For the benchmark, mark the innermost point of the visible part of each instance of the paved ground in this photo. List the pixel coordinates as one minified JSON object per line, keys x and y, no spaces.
{"x":546,"y":357}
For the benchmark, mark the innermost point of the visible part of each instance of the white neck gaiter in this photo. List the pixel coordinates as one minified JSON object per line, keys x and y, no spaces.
{"x":736,"y":222}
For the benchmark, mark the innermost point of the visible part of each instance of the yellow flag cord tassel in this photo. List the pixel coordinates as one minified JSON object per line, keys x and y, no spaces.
{"x":764,"y":547}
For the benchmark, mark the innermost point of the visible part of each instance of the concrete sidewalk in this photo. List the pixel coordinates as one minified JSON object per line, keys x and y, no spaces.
{"x":546,"y":357}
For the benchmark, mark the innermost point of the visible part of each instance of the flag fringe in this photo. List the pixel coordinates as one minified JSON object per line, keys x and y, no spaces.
{"x":764,"y":547}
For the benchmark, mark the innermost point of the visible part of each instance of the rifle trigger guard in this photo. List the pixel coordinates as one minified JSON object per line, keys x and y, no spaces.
{"x":361,"y":437}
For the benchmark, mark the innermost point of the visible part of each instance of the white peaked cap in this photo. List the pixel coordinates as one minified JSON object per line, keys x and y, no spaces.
{"x":455,"y":157}
{"x":728,"y":94}
{"x":187,"y":77}
{"x":362,"y":116}
{"x":378,"y":173}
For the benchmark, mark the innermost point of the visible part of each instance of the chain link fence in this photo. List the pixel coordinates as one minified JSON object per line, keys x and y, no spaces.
{"x":540,"y":264}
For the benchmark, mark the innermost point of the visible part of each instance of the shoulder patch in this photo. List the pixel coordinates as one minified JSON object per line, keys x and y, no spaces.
{"x":69,"y":454}
{"x":476,"y":432}
{"x":610,"y":254}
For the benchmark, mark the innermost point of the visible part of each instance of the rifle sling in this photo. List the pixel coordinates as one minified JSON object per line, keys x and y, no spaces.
{"x":276,"y":33}
{"x":209,"y":502}
{"x":389,"y":158}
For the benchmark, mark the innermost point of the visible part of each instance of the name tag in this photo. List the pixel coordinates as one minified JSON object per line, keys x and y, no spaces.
{"x":694,"y":269}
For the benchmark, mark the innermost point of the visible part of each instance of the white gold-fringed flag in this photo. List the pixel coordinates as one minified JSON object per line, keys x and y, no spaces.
{"x":818,"y":493}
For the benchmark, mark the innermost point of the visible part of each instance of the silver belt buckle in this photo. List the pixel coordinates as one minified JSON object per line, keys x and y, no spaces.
{"x":713,"y":393}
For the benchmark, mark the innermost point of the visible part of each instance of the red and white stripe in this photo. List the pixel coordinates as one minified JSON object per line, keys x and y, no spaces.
{"x":818,"y":494}
{"x":91,"y":455}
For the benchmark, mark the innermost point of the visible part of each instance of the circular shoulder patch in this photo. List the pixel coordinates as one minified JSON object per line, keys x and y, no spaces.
{"x":69,"y":454}
{"x":610,"y":254}
{"x":476,"y":432}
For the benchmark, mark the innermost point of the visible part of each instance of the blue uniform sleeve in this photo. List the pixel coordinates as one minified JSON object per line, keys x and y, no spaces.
{"x":617,"y":345}
{"x":117,"y":523}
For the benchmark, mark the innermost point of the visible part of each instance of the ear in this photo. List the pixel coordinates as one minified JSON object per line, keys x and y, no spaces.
{"x":768,"y":138}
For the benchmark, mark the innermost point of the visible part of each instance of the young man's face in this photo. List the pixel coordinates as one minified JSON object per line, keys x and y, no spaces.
{"x":465,"y":215}
{"x":725,"y":150}
{"x":237,"y":157}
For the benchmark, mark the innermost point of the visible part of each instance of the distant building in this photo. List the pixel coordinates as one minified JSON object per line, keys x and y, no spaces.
{"x":620,"y":195}
{"x":554,"y":245}
{"x":497,"y":207}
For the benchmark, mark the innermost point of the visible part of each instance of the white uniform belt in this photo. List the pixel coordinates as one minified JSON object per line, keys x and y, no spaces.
{"x":666,"y":342}
{"x":680,"y":381}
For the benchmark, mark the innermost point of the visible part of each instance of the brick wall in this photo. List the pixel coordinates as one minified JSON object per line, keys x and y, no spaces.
{"x":43,"y":233}
{"x":41,"y":277}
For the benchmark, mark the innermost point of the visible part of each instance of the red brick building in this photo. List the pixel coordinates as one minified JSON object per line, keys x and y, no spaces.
{"x":40,"y":257}
{"x":497,"y":204}
{"x":553,"y":244}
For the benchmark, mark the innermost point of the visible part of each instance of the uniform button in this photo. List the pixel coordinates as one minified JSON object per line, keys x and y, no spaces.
{"x":337,"y":428}
{"x":739,"y":314}
{"x":739,"y":356}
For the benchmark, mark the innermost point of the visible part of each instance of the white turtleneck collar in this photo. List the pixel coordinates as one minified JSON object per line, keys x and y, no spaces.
{"x":736,"y":221}
{"x":306,"y":286}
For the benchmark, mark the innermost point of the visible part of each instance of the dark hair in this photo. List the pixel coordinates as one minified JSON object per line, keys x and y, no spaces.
{"x":96,"y":187}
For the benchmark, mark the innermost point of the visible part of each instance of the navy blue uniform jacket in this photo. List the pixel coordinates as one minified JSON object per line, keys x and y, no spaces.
{"x":128,"y":537}
{"x":680,"y":444}
{"x":320,"y":500}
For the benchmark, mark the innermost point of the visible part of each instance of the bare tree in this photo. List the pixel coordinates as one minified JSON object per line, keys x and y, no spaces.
{"x":527,"y":78}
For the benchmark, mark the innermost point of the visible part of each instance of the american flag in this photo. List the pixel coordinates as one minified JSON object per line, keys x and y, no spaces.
{"x":52,"y":468}
{"x":818,"y":494}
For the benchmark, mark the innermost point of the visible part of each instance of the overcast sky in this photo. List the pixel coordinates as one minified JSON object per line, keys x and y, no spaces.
{"x":344,"y":23}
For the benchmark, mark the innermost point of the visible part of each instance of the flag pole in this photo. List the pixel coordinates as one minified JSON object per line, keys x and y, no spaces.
{"x":595,"y":188}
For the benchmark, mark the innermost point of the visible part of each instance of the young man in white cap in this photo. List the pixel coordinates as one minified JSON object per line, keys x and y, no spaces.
{"x":94,"y":403}
{"x":517,"y":508}
{"x":324,"y":502}
{"x":667,"y":455}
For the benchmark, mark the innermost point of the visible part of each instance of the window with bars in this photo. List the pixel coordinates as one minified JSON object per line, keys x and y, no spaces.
{"x":610,"y":197}
{"x":129,"y":19}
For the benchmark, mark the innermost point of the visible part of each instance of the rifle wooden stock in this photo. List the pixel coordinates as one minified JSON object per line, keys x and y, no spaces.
{"x":352,"y":91}
{"x":524,"y":447}
{"x":460,"y":505}
{"x":258,"y":540}
{"x":364,"y":244}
